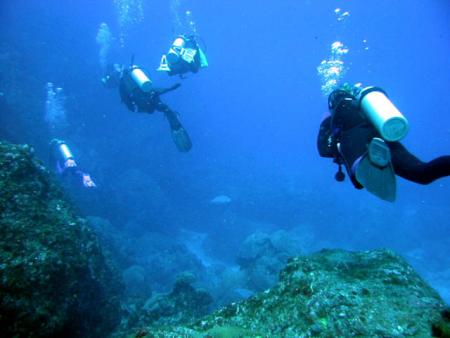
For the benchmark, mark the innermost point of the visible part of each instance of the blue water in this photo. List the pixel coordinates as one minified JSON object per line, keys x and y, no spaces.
{"x":253,"y":117}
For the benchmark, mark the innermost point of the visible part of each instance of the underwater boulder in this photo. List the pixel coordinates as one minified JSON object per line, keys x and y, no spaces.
{"x":333,"y":293}
{"x":136,"y":283}
{"x":262,"y":256}
{"x":54,"y":278}
{"x":163,"y":258}
{"x":184,"y":304}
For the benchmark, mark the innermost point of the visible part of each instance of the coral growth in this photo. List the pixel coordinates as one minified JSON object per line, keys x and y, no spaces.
{"x":53,"y":275}
{"x":332,"y":293}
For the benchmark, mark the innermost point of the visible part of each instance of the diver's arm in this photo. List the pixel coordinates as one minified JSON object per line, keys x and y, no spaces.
{"x":161,"y":91}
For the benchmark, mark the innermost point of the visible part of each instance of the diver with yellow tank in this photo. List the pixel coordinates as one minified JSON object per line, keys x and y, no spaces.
{"x":363,"y":133}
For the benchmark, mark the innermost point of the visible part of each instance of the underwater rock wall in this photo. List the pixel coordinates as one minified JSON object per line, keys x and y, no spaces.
{"x":332,"y":293}
{"x":54,"y":279}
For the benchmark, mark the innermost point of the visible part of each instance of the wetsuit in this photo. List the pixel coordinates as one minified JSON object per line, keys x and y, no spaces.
{"x":346,"y":134}
{"x":139,"y":101}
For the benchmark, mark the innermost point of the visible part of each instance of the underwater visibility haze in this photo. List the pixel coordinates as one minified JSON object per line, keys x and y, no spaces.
{"x":214,"y":191}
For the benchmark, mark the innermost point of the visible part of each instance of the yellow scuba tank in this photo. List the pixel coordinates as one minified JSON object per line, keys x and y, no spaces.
{"x":381,"y":112}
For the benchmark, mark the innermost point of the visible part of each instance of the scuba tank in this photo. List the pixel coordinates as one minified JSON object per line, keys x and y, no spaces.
{"x":381,"y":112}
{"x":60,"y":154}
{"x":61,"y":150}
{"x":65,"y":152}
{"x":176,"y":50}
{"x":140,"y":79}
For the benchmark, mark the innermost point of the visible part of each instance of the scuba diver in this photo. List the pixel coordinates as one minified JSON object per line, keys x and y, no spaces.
{"x":363,"y":133}
{"x":138,"y":94}
{"x":185,"y":55}
{"x":63,"y":161}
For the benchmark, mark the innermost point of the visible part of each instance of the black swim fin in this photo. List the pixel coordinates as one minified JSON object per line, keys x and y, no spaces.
{"x":181,"y":139}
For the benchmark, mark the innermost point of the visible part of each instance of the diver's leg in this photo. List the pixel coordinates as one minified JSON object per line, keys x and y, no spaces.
{"x":353,"y":147}
{"x":409,"y":167}
{"x":179,"y":134}
{"x":361,"y":151}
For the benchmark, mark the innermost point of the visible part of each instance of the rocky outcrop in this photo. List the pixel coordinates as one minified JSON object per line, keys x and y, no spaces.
{"x":262,"y":256}
{"x":54,"y":279}
{"x":182,"y":305}
{"x":332,"y":293}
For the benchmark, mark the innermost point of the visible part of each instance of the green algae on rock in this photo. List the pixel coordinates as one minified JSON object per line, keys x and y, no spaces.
{"x":54,"y":278}
{"x":332,"y":293}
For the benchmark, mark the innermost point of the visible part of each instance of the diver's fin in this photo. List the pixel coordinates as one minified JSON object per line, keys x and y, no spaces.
{"x":181,"y":139}
{"x":375,"y":171}
{"x":163,"y":65}
{"x":203,"y":59}
{"x":379,"y":153}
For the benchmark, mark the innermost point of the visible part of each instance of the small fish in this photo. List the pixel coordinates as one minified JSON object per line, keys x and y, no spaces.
{"x":220,"y":200}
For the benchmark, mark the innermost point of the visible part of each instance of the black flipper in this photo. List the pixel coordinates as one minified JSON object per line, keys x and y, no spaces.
{"x":181,"y":139}
{"x":179,"y":134}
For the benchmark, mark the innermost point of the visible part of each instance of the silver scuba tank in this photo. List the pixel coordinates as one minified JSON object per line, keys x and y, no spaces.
{"x":176,"y":50}
{"x":64,"y":152}
{"x":384,"y":116}
{"x":141,"y":79}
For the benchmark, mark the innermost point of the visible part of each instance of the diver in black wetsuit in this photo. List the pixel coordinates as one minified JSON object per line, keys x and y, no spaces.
{"x":138,"y":94}
{"x":363,"y":134}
